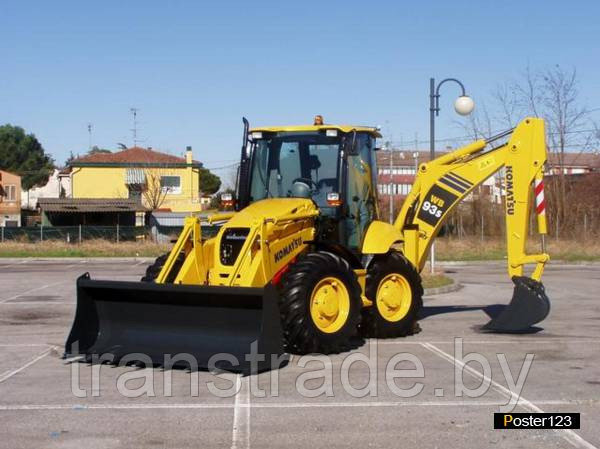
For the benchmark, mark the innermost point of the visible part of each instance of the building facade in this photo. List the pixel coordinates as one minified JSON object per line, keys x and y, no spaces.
{"x":10,"y":199}
{"x":158,"y":181}
{"x":52,"y":189}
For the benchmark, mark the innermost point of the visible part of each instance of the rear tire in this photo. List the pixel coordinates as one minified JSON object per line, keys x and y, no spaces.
{"x":394,"y":286}
{"x":320,"y":304}
{"x":153,"y":270}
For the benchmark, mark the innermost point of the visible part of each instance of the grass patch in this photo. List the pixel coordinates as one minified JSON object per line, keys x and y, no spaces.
{"x":471,"y":249}
{"x":435,"y":280}
{"x":92,"y":248}
{"x":467,"y":249}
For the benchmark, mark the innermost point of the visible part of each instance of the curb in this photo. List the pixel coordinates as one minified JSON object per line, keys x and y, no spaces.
{"x":455,"y":286}
{"x":17,"y":260}
{"x":497,"y":261}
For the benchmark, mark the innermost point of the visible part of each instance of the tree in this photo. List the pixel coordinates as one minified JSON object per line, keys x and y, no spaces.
{"x":209,"y":182}
{"x":24,"y":155}
{"x":153,"y":192}
{"x":70,"y":159}
{"x":95,"y":150}
{"x":552,"y":94}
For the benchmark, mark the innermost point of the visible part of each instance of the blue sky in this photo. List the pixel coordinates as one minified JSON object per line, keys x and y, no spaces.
{"x":195,"y":68}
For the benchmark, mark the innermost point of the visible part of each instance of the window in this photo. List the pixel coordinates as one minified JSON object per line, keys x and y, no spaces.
{"x":10,"y":192}
{"x":171,"y":184}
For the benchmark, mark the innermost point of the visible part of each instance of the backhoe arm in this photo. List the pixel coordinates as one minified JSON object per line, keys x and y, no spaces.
{"x":443,"y":183}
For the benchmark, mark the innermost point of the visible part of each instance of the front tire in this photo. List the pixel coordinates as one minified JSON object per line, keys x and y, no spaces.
{"x":153,"y":270}
{"x":320,"y":304}
{"x":394,"y":286}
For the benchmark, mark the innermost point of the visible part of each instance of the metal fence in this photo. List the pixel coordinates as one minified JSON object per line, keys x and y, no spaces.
{"x":78,"y":234}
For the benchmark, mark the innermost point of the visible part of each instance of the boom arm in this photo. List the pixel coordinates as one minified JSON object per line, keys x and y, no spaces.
{"x":443,"y":183}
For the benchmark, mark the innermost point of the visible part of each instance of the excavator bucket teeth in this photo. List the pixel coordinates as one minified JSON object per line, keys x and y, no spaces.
{"x":229,"y":328}
{"x":529,"y":305}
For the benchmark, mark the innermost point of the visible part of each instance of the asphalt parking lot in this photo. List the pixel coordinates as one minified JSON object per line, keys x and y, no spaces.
{"x":48,"y":403}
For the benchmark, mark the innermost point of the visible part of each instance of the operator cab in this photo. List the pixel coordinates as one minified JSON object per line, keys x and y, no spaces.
{"x":332,"y":165}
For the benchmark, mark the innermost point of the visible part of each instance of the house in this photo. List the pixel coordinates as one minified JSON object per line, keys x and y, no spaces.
{"x":158,"y":181}
{"x":64,"y":182}
{"x":572,"y":163}
{"x":10,"y":199}
{"x":52,"y":189}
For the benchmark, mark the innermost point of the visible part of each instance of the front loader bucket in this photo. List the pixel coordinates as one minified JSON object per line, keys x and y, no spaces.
{"x":529,"y":305}
{"x":166,"y":321}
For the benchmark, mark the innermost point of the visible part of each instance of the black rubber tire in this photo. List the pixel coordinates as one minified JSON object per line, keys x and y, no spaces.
{"x":153,"y":270}
{"x":301,"y":335}
{"x":373,"y":325}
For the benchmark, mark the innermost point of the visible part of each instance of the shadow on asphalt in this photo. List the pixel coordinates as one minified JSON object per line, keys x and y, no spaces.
{"x":491,"y":311}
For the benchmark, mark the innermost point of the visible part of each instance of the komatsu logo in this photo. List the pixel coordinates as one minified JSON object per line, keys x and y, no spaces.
{"x":288,"y":249}
{"x":510,"y":196}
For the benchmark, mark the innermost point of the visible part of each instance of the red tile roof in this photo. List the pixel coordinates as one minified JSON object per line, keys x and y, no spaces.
{"x":130,"y":155}
{"x":586,"y":160}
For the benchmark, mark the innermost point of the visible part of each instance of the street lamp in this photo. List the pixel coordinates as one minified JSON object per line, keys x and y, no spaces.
{"x":463,"y":105}
{"x":415,"y":156}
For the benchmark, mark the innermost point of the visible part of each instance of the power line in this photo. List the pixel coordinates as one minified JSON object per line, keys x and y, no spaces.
{"x":465,"y":137}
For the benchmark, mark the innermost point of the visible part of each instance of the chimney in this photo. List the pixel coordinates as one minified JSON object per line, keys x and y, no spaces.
{"x":188,"y":155}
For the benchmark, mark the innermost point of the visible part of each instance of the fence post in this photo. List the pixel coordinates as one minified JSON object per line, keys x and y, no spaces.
{"x":584,"y":225}
{"x":482,"y":227}
{"x":117,"y":232}
{"x":2,"y":234}
{"x":80,"y":234}
{"x":42,"y":233}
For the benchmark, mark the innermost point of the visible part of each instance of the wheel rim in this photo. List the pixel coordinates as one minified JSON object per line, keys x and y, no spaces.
{"x":394,"y":297}
{"x":330,"y":305}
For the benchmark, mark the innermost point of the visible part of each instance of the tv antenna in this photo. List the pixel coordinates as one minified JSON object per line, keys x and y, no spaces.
{"x":89,"y":128}
{"x":134,"y":130}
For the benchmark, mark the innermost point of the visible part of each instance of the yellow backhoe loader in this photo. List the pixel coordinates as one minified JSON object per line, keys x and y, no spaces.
{"x":303,"y":264}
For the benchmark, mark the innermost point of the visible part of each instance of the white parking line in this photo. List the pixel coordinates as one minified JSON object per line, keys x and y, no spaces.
{"x":32,"y":290}
{"x":36,"y":303}
{"x":14,"y":264}
{"x":491,"y":342}
{"x":22,"y":345}
{"x":10,"y":374}
{"x":278,"y":405}
{"x":240,"y":436}
{"x":567,"y":434}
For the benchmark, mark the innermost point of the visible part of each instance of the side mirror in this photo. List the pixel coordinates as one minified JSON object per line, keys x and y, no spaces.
{"x":351,"y":144}
{"x":245,"y":138}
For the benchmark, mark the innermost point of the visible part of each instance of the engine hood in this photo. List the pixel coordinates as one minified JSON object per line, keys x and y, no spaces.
{"x":271,"y":208}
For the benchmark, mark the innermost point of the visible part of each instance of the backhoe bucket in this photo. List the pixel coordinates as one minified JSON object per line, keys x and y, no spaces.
{"x":214,"y":327}
{"x":529,"y":305}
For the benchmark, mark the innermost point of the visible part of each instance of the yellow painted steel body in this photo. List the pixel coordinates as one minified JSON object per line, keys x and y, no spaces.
{"x":394,"y":297}
{"x":444,"y":182}
{"x":304,"y":128}
{"x":277,"y":229}
{"x":329,"y":304}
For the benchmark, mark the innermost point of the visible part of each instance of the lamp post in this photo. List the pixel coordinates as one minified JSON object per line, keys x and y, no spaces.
{"x":463,"y":105}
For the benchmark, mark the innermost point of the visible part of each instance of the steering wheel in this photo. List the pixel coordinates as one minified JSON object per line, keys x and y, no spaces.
{"x":309,"y":182}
